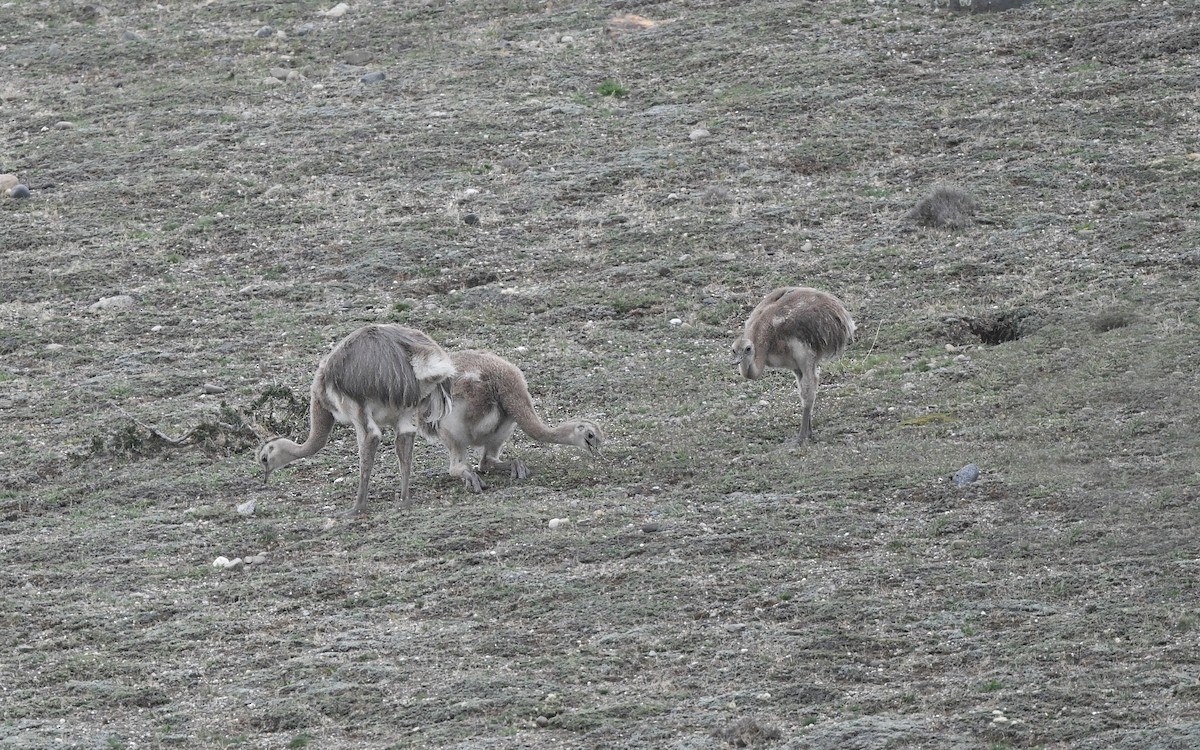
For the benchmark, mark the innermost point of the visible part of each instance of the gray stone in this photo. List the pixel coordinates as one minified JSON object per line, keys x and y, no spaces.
{"x":116,"y":302}
{"x":966,"y":475}
{"x":375,"y":77}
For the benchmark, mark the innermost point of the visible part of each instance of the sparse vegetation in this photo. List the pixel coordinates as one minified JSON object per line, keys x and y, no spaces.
{"x":610,"y":87}
{"x":710,"y":586}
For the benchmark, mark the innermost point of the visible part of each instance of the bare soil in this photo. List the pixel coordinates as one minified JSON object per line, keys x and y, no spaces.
{"x":600,"y":193}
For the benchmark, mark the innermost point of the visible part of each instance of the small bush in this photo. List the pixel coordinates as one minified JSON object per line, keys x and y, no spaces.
{"x":609,"y":87}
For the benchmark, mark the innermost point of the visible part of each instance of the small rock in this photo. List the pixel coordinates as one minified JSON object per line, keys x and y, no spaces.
{"x":471,"y":220}
{"x":558,"y":522}
{"x":117,"y":302}
{"x":246,"y":508}
{"x":221,"y":562}
{"x":271,"y":81}
{"x":698,"y":134}
{"x":806,"y":247}
{"x":234,"y":563}
{"x":675,"y":322}
{"x":258,"y":559}
{"x":54,"y":348}
{"x":130,"y":36}
{"x":264,"y":32}
{"x":18,"y":191}
{"x":64,"y":125}
{"x":652,"y":527}
{"x":374,"y":77}
{"x":304,"y":29}
{"x":282,"y":74}
{"x":542,"y":721}
{"x":966,"y":475}
{"x":336,"y":11}
{"x":212,"y":389}
{"x":7,"y":181}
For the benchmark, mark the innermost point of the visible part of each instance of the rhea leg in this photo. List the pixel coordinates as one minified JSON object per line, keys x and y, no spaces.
{"x":369,"y":437}
{"x":460,"y":465}
{"x":806,"y":382}
{"x":404,"y":451}
{"x":490,"y":461}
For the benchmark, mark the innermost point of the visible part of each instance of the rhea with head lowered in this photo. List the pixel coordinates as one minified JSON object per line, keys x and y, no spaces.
{"x":379,"y":377}
{"x":794,"y":328}
{"x":490,"y":399}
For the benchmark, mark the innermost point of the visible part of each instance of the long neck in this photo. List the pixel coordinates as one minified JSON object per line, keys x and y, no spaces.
{"x":758,"y":364}
{"x":320,"y":423}
{"x":520,"y":406}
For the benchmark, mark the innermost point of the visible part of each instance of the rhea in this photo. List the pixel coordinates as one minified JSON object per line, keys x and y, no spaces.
{"x":490,"y":399}
{"x":379,"y":377}
{"x":794,"y":328}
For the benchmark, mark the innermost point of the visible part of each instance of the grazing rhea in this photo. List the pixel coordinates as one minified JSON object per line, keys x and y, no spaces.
{"x":490,"y":398}
{"x":794,"y":328}
{"x":378,"y":377}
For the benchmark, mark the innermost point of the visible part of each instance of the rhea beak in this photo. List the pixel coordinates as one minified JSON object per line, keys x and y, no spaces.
{"x":737,"y":358}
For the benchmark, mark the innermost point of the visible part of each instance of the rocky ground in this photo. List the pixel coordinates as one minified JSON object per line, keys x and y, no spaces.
{"x":220,"y":190}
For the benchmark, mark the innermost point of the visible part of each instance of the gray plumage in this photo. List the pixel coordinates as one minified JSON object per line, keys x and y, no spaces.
{"x":946,"y":207}
{"x":794,"y":328}
{"x":379,"y":377}
{"x":490,"y":399}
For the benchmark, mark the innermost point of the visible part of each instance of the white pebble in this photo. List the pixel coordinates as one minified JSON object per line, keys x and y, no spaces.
{"x":261,"y":557}
{"x":336,"y":11}
{"x":557,"y":522}
{"x":698,"y":134}
{"x":221,"y":562}
{"x":246,"y":508}
{"x":676,"y":322}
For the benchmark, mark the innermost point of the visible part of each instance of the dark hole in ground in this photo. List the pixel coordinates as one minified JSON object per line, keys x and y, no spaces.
{"x":995,"y":328}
